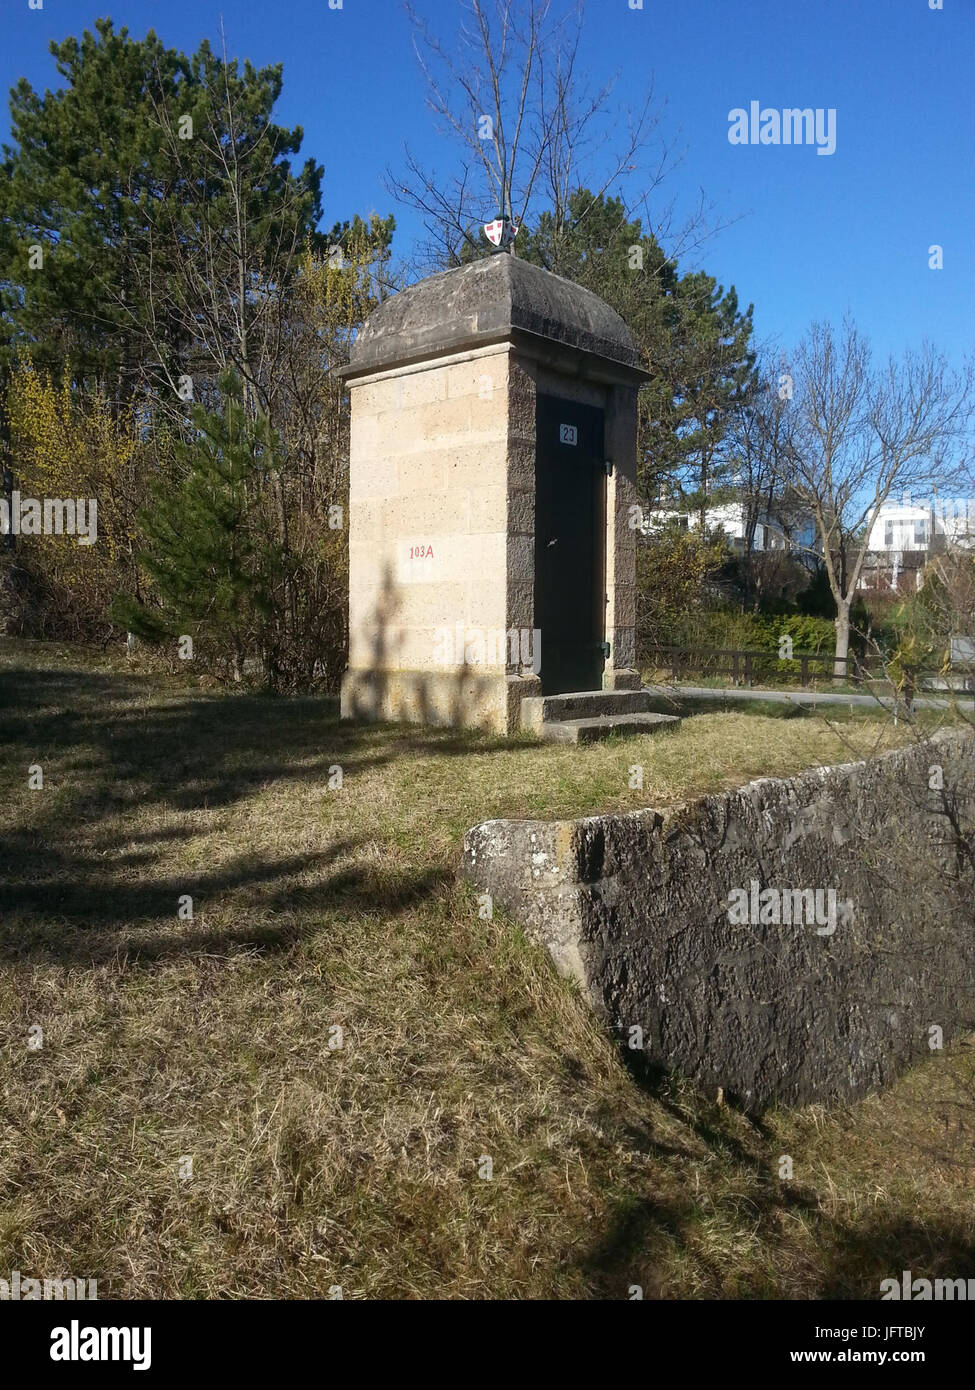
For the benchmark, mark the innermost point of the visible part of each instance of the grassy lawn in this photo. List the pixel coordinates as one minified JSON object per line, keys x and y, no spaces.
{"x":312,"y":1166}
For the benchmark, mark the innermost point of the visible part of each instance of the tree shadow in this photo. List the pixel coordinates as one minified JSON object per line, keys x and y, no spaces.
{"x":199,"y":752}
{"x":130,"y":746}
{"x":115,"y":746}
{"x":864,"y":1255}
{"x":641,"y":1232}
{"x":455,"y":696}
{"x":63,"y":906}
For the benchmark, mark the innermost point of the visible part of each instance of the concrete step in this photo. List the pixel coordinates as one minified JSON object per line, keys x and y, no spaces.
{"x":538,"y":710}
{"x":593,"y":729}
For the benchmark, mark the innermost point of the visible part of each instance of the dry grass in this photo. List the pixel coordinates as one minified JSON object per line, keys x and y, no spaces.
{"x":314,"y":907}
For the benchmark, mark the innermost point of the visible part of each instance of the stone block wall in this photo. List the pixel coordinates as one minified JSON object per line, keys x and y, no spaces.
{"x":675,"y":922}
{"x":428,"y":472}
{"x":428,"y":541}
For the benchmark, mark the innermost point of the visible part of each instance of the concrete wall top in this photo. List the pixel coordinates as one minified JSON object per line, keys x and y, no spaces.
{"x":499,"y":298}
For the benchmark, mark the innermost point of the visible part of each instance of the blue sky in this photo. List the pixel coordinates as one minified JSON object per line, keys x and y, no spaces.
{"x":806,"y":235}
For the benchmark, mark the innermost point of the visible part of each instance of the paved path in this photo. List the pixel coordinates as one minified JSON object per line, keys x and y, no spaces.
{"x":793,"y":697}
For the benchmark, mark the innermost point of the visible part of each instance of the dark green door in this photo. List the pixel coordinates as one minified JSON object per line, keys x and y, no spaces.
{"x":569,"y":520}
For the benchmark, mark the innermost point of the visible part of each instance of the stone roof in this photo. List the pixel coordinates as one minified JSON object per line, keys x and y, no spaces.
{"x":492,"y":300}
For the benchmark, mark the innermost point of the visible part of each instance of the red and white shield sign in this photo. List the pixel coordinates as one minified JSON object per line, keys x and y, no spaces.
{"x":493,"y":231}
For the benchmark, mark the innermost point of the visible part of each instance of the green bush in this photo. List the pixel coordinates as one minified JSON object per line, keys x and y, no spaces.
{"x":729,"y":629}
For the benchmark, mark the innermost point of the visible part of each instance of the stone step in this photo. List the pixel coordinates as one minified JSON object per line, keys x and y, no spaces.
{"x":593,"y":729}
{"x":537,"y":710}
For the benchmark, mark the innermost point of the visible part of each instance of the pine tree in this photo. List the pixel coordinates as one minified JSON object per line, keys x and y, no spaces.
{"x":146,"y":164}
{"x":711,"y":373}
{"x":211,"y":559}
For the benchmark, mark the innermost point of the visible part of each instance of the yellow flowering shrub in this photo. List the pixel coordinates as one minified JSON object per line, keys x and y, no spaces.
{"x":64,"y":446}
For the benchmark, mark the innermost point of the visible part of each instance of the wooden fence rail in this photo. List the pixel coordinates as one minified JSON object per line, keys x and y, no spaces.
{"x":742,"y":665}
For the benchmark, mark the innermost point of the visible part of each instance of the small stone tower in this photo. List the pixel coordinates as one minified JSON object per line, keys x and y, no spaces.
{"x":492,"y":476}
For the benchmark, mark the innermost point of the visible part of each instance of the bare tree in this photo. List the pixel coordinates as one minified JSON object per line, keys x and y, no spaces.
{"x":758,"y":440}
{"x":858,"y":437}
{"x":511,"y":95}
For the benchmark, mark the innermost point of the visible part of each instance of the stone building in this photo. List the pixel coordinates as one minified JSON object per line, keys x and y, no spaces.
{"x":492,"y":477}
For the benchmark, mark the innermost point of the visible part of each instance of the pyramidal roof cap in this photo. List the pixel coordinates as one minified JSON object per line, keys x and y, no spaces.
{"x":492,"y":300}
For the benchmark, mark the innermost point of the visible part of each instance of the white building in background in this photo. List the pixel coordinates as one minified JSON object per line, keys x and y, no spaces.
{"x":902,"y":536}
{"x":905,"y":534}
{"x":731,"y":517}
{"x":907,"y":525}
